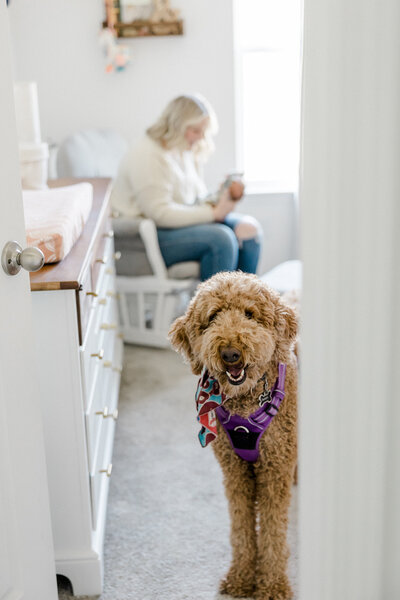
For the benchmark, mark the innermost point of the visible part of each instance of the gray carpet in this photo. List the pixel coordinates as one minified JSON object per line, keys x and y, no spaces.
{"x":167,"y":534}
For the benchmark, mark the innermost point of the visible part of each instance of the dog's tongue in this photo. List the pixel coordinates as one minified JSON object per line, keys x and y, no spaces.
{"x":235,"y":371}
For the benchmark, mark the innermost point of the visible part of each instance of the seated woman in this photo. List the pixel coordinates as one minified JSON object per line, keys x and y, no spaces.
{"x":160,"y":178}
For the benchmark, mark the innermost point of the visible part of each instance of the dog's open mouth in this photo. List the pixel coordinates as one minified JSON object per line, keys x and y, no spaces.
{"x":236,"y":375}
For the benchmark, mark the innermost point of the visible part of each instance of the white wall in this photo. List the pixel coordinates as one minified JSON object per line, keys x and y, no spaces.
{"x":56,"y":45}
{"x":277,"y":214}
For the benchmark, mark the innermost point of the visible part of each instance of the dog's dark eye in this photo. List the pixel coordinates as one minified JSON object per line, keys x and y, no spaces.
{"x":249,"y":314}
{"x":208,"y":320}
{"x":212,"y":317}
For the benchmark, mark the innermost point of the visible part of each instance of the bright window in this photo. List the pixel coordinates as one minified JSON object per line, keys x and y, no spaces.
{"x":268,"y":44}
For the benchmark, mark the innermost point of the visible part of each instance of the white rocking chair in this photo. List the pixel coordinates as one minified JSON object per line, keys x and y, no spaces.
{"x":149,"y":303}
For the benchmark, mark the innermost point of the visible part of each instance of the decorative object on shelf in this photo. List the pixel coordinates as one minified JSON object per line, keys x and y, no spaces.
{"x":163,"y":13}
{"x":141,"y":18}
{"x":113,"y":12}
{"x":133,"y":10}
{"x":117,"y":55}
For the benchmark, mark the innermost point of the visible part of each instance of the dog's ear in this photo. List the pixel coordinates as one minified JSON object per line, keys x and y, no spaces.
{"x":286,"y":323}
{"x":179,"y":338}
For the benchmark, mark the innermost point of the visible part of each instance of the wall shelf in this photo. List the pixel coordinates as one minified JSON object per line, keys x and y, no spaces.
{"x":142,"y":28}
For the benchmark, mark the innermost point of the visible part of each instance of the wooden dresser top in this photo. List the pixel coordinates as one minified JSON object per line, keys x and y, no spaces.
{"x":68,"y":273}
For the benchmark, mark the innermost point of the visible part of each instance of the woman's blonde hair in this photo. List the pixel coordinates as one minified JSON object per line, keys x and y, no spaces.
{"x":180,"y":113}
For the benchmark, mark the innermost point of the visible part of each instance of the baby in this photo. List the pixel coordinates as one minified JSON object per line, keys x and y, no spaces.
{"x":233,"y":183}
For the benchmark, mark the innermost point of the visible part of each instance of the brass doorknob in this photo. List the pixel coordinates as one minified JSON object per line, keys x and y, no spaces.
{"x":13,"y":258}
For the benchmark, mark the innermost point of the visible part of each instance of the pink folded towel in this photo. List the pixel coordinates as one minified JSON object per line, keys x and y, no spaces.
{"x":55,"y":218}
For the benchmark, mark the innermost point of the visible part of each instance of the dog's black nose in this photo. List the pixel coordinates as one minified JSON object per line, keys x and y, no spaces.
{"x":230,"y":354}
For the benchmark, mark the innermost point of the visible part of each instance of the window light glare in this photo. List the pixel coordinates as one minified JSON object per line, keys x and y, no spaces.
{"x":268,"y":87}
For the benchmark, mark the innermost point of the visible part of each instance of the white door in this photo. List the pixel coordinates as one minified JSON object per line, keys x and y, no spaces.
{"x":27,"y":568}
{"x":350,"y":341}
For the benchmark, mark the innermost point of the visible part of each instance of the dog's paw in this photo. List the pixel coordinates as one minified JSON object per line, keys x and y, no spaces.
{"x":237,"y":584}
{"x":277,"y":590}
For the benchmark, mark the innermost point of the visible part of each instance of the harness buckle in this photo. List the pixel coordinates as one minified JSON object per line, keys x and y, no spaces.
{"x":265,"y":398}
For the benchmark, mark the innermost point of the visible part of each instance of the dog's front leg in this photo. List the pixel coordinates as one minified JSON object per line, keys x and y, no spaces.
{"x":273,"y":500}
{"x":240,"y":490}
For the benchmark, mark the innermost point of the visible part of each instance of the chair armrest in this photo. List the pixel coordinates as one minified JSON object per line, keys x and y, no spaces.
{"x":148,"y":232}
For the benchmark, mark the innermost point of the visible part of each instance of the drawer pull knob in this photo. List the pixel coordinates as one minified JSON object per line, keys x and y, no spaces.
{"x":111,"y":294}
{"x":103,"y":301}
{"x":91,"y":294}
{"x":113,"y":415}
{"x":107,"y":471}
{"x":109,"y":234}
{"x":117,"y":255}
{"x":99,"y":354}
{"x":107,"y":364}
{"x":110,"y":271}
{"x":101,"y":260}
{"x":103,"y":413}
{"x":117,"y":369}
{"x":108,"y":326}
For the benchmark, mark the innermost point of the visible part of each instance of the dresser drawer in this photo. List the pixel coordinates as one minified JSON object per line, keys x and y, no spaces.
{"x":93,"y":353}
{"x":99,"y":476}
{"x":101,"y":378}
{"x":98,"y":348}
{"x":106,"y":318}
{"x":96,"y":414}
{"x":114,"y":378}
{"x":103,"y":252}
{"x":86,"y":302}
{"x":102,"y":322}
{"x":101,"y":421}
{"x":92,"y":285}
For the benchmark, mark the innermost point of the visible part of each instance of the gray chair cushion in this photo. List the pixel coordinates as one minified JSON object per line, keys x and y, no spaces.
{"x":184,"y":270}
{"x":127,"y":240}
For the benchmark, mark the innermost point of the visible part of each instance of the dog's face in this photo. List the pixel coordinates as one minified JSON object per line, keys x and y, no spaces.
{"x":234,"y":326}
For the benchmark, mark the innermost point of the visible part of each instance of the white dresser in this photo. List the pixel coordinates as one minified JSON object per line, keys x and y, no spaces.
{"x":80,"y":348}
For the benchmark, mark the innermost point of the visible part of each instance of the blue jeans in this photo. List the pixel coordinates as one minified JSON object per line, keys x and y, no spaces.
{"x":214,"y":245}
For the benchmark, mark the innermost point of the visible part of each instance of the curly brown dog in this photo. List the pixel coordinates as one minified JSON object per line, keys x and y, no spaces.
{"x":239,"y":331}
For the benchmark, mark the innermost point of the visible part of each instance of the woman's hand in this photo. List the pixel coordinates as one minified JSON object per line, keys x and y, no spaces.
{"x":224,"y":206}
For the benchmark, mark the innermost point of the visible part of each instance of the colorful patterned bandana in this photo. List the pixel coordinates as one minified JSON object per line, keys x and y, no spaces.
{"x":208,"y":397}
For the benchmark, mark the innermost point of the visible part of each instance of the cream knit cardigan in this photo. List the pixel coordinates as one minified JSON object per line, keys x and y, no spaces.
{"x":161,"y":184}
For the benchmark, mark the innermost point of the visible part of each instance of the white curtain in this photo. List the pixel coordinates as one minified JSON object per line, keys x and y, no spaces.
{"x":350,"y":363}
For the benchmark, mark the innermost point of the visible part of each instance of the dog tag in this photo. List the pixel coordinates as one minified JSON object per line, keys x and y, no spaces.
{"x":265,"y":396}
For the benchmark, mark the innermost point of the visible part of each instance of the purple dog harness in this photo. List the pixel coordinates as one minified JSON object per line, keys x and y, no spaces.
{"x":244,"y":434}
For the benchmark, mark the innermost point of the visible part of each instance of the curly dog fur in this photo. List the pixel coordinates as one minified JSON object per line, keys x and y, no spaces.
{"x":237,"y":310}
